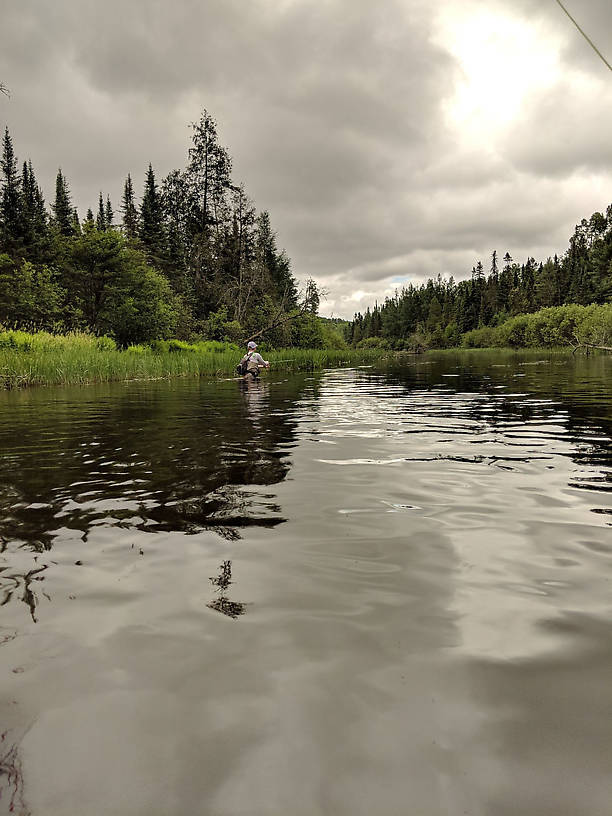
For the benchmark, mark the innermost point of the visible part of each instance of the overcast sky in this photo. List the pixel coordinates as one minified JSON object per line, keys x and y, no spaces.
{"x":390,"y":141}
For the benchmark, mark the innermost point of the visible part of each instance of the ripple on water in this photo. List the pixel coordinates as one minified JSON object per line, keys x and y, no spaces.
{"x":433,"y":585}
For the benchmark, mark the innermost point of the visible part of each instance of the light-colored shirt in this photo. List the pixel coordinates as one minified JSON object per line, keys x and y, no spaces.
{"x":253,"y":360}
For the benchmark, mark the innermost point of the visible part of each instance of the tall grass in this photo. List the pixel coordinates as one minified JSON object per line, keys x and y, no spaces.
{"x":46,"y":359}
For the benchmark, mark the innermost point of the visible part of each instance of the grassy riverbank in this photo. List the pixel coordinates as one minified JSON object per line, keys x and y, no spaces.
{"x":46,"y":359}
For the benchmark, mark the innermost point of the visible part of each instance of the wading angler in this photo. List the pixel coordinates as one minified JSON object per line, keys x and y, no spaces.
{"x":252,"y":361}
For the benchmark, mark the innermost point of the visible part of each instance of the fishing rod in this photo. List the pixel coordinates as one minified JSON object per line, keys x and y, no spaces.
{"x":585,"y":35}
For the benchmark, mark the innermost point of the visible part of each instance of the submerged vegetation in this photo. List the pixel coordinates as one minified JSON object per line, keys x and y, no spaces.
{"x":42,"y":358}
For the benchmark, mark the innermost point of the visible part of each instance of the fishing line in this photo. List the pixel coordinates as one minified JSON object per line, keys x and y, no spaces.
{"x":585,"y":35}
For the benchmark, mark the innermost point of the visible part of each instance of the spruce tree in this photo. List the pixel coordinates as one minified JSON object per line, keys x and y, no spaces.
{"x":152,"y":231}
{"x":176,"y":208}
{"x":10,"y":195}
{"x":62,"y":207}
{"x":128,"y":208}
{"x":28,"y":205}
{"x":101,"y":216}
{"x":208,"y":174}
{"x":76,"y":224}
{"x":109,"y":215}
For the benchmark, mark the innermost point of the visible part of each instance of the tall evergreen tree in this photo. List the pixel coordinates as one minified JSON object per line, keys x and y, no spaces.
{"x":109,"y":215}
{"x":76,"y":224}
{"x":176,"y":207}
{"x":10,"y":195}
{"x":129,"y":211}
{"x":208,"y":175}
{"x":152,"y":231}
{"x":62,"y":206}
{"x":101,"y":216}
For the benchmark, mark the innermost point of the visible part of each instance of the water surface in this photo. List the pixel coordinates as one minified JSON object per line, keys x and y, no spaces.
{"x":351,"y":592}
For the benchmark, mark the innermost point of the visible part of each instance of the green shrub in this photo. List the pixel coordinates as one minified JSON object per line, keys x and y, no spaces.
{"x":484,"y":337}
{"x":105,"y":343}
{"x":373,"y":343}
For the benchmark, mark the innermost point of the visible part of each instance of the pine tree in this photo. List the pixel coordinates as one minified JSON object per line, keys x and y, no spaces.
{"x":62,"y":207}
{"x":129,"y":211}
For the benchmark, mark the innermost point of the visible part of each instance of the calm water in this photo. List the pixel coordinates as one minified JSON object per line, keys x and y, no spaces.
{"x":348,"y":593}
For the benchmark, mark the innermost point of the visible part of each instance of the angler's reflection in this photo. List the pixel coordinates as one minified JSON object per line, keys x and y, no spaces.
{"x":256,"y":396}
{"x":222,"y":603}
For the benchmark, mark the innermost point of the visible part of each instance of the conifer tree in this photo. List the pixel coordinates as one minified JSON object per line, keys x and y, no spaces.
{"x":101,"y":216}
{"x":28,"y":205}
{"x":109,"y":215}
{"x":208,"y":174}
{"x":494,"y":267}
{"x":176,"y":207}
{"x":76,"y":224}
{"x":62,"y":207}
{"x":276,"y":264}
{"x":129,"y":211}
{"x":10,"y":194}
{"x":152,"y":231}
{"x":89,"y":223}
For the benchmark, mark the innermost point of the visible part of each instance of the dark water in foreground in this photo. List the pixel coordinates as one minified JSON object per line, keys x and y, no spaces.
{"x":349,"y":593}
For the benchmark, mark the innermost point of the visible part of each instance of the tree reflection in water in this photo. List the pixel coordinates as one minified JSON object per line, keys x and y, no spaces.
{"x":11,"y":777}
{"x":222,"y":603}
{"x":163,"y":457}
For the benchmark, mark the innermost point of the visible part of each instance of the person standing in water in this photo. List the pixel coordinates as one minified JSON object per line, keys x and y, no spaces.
{"x":253,"y":361}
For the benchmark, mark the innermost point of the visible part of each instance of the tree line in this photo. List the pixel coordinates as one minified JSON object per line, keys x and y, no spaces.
{"x":437,"y":313}
{"x":192,"y":259}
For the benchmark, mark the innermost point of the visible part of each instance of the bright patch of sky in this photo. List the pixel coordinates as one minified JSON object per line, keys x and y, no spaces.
{"x":503,"y":63}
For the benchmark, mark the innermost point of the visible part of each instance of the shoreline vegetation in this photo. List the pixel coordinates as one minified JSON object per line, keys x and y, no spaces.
{"x":193,"y":259}
{"x":495,"y":308}
{"x":79,"y":358}
{"x":571,"y":326}
{"x":95,"y":299}
{"x":40,"y":358}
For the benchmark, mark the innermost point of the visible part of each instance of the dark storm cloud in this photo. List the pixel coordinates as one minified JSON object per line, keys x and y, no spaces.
{"x":334,"y":112}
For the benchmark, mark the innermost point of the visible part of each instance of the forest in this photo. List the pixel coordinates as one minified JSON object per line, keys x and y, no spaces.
{"x":193,"y":259}
{"x":444,"y":314}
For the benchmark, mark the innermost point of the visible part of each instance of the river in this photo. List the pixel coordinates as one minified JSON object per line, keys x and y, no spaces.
{"x":349,"y":592}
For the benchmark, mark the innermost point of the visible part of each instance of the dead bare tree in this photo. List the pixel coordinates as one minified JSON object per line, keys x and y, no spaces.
{"x":588,"y":346}
{"x":309,"y":302}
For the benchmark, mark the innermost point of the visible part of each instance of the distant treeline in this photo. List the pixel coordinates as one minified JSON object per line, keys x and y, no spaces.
{"x":437,"y":314}
{"x":193,"y":259}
